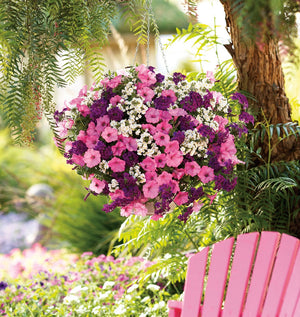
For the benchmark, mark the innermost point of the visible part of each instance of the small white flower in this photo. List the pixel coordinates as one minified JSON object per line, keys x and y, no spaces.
{"x":108,"y":285}
{"x":71,"y":299}
{"x":121,"y":309}
{"x":104,"y":295}
{"x":96,"y":310}
{"x":132,"y":288}
{"x":153,"y":287}
{"x":78,"y":289}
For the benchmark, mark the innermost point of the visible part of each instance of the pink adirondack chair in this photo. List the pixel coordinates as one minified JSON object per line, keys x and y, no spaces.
{"x":264,"y":279}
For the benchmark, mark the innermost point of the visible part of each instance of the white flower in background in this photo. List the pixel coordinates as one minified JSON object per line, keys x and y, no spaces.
{"x":96,"y":310}
{"x":145,"y":299}
{"x":158,"y":306}
{"x":104,"y":295}
{"x":108,"y":285}
{"x":132,"y":288}
{"x":82,"y":310}
{"x":153,"y":287}
{"x":78,"y":289}
{"x":120,"y":310}
{"x":69,"y":299}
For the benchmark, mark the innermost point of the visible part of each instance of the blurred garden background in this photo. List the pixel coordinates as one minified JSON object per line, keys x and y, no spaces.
{"x":42,"y":198}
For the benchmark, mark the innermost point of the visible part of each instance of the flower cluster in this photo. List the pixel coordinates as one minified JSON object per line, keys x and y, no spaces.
{"x":144,"y":138}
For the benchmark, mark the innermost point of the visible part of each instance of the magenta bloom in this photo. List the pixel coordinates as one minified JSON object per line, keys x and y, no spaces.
{"x":151,"y":128}
{"x":147,"y":93}
{"x":118,"y":148}
{"x":113,"y":83}
{"x":172,"y":147}
{"x":174,"y":159}
{"x":206,"y":174}
{"x":152,"y":115}
{"x":91,"y":130}
{"x":110,"y":134}
{"x":83,"y":109}
{"x":117,"y":165}
{"x":102,"y":123}
{"x":165,"y":116}
{"x":169,"y":93}
{"x":148,"y":164}
{"x":151,"y":189}
{"x":178,"y":112}
{"x":81,"y":136}
{"x":191,"y":168}
{"x":178,"y":173}
{"x":174,"y":186}
{"x":97,"y":186}
{"x":91,"y":158}
{"x":78,"y":159}
{"x":181,"y":198}
{"x":147,"y":77}
{"x":150,"y":176}
{"x":164,"y":178}
{"x":91,"y":141}
{"x":115,"y":100}
{"x":160,"y":160}
{"x":161,"y":139}
{"x":130,"y":143}
{"x":164,"y":127}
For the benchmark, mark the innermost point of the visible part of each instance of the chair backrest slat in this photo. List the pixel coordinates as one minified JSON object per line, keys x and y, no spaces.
{"x":292,"y":295}
{"x":217,"y":277}
{"x":280,"y":276}
{"x":244,"y":254}
{"x":261,"y":273}
{"x":193,"y":287}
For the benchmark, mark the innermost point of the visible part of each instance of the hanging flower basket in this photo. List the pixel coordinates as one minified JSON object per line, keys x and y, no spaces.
{"x":151,"y":142}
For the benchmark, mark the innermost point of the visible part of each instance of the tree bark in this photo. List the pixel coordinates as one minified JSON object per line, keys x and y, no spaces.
{"x":260,"y":73}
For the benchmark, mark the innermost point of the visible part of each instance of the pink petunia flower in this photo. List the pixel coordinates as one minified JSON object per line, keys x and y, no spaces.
{"x":68,"y":146}
{"x":197,"y":206}
{"x":117,"y":165}
{"x":147,"y":77}
{"x":139,"y":209}
{"x":191,"y":168}
{"x":91,"y":141}
{"x":97,"y":186}
{"x":114,"y":82}
{"x":130,"y":143}
{"x":165,"y":116}
{"x":161,"y":139}
{"x":178,"y":173}
{"x":102,"y":123}
{"x":160,"y":160}
{"x":117,"y":194}
{"x":83,"y":109}
{"x":82,"y":136}
{"x":91,"y":130}
{"x":172,"y":147}
{"x":147,"y":93}
{"x":152,"y":115}
{"x":92,"y":158}
{"x":78,"y":159}
{"x":174,"y":186}
{"x":151,"y":189}
{"x":177,"y":112}
{"x":210,"y":76}
{"x":110,"y":134}
{"x":150,"y":176}
{"x":181,"y":198}
{"x":164,"y":127}
{"x":174,"y":159}
{"x":164,"y":178}
{"x":118,"y":148}
{"x":148,"y":164}
{"x":217,"y":96}
{"x":151,"y":128}
{"x":115,"y":100}
{"x":169,"y":93}
{"x":221,"y":121}
{"x":206,"y":174}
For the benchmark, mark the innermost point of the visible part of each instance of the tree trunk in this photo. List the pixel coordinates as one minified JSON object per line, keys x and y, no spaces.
{"x":260,"y":73}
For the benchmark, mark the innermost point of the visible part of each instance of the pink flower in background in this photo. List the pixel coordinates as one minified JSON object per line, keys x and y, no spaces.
{"x":160,"y":160}
{"x":113,"y":83}
{"x":161,"y":139}
{"x":177,"y":112}
{"x":91,"y":158}
{"x":206,"y":174}
{"x":210,"y":76}
{"x":172,"y":147}
{"x":164,"y":178}
{"x":115,"y":100}
{"x":97,"y":186}
{"x":197,"y":206}
{"x":181,"y":198}
{"x":174,"y":159}
{"x":104,"y":81}
{"x":151,"y":189}
{"x":117,"y":165}
{"x":169,"y":93}
{"x":110,"y":134}
{"x":147,"y":93}
{"x":222,"y":122}
{"x":147,"y":77}
{"x":217,"y":95}
{"x":68,"y":146}
{"x":148,"y":164}
{"x":118,"y":148}
{"x":102,"y":123}
{"x":83,"y":109}
{"x":164,"y":127}
{"x":192,"y":168}
{"x":152,"y":115}
{"x":78,"y":159}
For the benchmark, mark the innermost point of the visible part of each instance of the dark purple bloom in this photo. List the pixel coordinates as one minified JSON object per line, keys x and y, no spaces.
{"x":104,"y":149}
{"x":97,"y":111}
{"x":196,"y":100}
{"x":58,"y":115}
{"x":195,"y":193}
{"x":185,"y":123}
{"x":228,"y":168}
{"x":160,"y":78}
{"x":206,"y":99}
{"x":246,"y":117}
{"x":239,"y":129}
{"x":207,"y":131}
{"x":162,"y":102}
{"x":3,"y":285}
{"x":151,"y":68}
{"x":226,"y":184}
{"x":115,"y":114}
{"x":241,"y":99}
{"x":178,"y":136}
{"x":214,"y":163}
{"x":177,"y":77}
{"x":78,"y":148}
{"x":185,"y":216}
{"x":188,"y":158}
{"x":222,"y":136}
{"x":131,"y":158}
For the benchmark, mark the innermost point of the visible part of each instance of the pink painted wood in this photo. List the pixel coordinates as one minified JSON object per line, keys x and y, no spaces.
{"x":264,"y":279}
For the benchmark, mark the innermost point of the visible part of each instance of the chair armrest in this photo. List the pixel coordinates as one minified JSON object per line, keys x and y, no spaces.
{"x":175,"y":308}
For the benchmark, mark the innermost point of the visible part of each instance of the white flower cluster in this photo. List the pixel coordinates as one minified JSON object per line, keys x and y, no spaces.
{"x":113,"y":186}
{"x":137,"y":174}
{"x":206,"y":116}
{"x":194,"y":143}
{"x":146,"y":145}
{"x":103,"y":166}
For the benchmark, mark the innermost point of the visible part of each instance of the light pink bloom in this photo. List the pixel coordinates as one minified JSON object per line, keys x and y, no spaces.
{"x":139,"y":209}
{"x":161,"y":139}
{"x":174,"y":159}
{"x":117,"y":165}
{"x":197,"y":206}
{"x":117,"y":194}
{"x":68,"y":146}
{"x":91,"y":158}
{"x":83,"y":91}
{"x":172,"y":147}
{"x":104,"y":82}
{"x":115,"y":100}
{"x":210,"y":76}
{"x":164,"y":127}
{"x":130,"y":143}
{"x":147,"y":77}
{"x":151,"y":189}
{"x":169,"y":93}
{"x":228,"y":146}
{"x":206,"y":174}
{"x":62,"y":129}
{"x":83,"y":109}
{"x":150,"y":176}
{"x":165,"y":116}
{"x":178,"y":173}
{"x":164,"y":178}
{"x":97,"y":186}
{"x":91,"y":130}
{"x":174,"y":186}
{"x":118,"y":148}
{"x":160,"y":160}
{"x":110,"y":134}
{"x":114,"y":82}
{"x":81,"y":136}
{"x":217,"y":96}
{"x":177,"y":112}
{"x":221,"y":121}
{"x":191,"y":168}
{"x":69,"y":123}
{"x":151,"y":128}
{"x":181,"y":198}
{"x":156,"y":217}
{"x":126,"y":211}
{"x":152,"y":115}
{"x":147,"y":93}
{"x":91,"y":141}
{"x":102,"y":123}
{"x":148,"y":164}
{"x":141,"y":68}
{"x":212,"y":197}
{"x":76,"y":101}
{"x":78,"y":159}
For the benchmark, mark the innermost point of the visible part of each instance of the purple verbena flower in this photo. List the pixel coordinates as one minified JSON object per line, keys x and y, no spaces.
{"x":115,"y":114}
{"x":78,"y":147}
{"x":207,"y":131}
{"x":177,"y":77}
{"x":162,"y":102}
{"x":185,"y":216}
{"x":185,"y":123}
{"x":246,"y":117}
{"x":3,"y":285}
{"x":131,"y":158}
{"x":178,"y":136}
{"x":159,"y":78}
{"x":241,"y":99}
